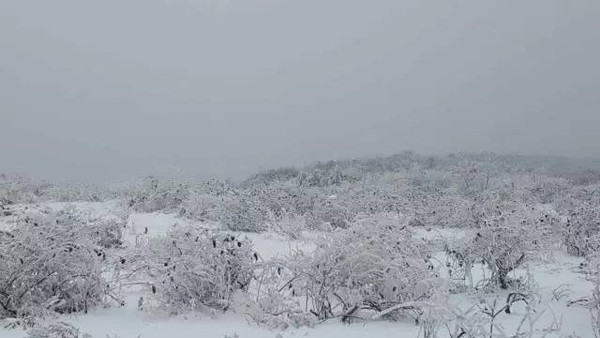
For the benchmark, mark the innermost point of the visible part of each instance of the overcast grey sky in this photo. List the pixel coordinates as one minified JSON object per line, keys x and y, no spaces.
{"x":110,"y":89}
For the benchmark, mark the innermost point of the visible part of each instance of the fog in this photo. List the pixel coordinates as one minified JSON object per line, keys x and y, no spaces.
{"x":108,"y":90}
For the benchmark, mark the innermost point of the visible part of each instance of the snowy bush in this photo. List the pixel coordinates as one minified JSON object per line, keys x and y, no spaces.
{"x":242,"y":213}
{"x":201,"y":206}
{"x":547,"y":190}
{"x":505,"y":240}
{"x":440,"y":210}
{"x":105,"y":231}
{"x":18,"y":189}
{"x":473,"y":178}
{"x":77,"y":192}
{"x":49,"y":267}
{"x":289,"y":225}
{"x":324,"y":175}
{"x":194,"y":269}
{"x":582,"y":230}
{"x":277,"y":198}
{"x":595,"y":309}
{"x":274,"y":175}
{"x":329,"y":212}
{"x":272,"y":308}
{"x":56,"y":330}
{"x":378,"y":196}
{"x":374,"y":265}
{"x":155,"y":194}
{"x":592,"y":302}
{"x":487,"y":318}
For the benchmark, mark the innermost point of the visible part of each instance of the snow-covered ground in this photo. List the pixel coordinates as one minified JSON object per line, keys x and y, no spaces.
{"x":559,"y":272}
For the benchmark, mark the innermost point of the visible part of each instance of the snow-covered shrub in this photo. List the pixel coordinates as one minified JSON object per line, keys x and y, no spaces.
{"x":278,"y":198}
{"x":324,"y":175}
{"x":273,"y":308}
{"x":105,"y":231}
{"x":49,"y":267}
{"x":592,"y":302}
{"x":377,"y":196}
{"x":582,"y":230}
{"x":486,"y":318}
{"x":595,"y":309}
{"x":440,"y":210}
{"x":504,"y":241}
{"x":579,"y":196}
{"x":329,"y":212}
{"x":289,"y":225}
{"x":201,"y":206}
{"x":473,"y":178}
{"x":77,"y":192}
{"x":565,"y":204}
{"x":194,"y":269}
{"x":56,"y":330}
{"x":586,"y":177}
{"x":473,"y":213}
{"x":155,"y":194}
{"x":18,"y":189}
{"x":374,"y":265}
{"x":284,"y":174}
{"x":242,"y":213}
{"x":589,"y":194}
{"x":547,"y":189}
{"x":430,"y":181}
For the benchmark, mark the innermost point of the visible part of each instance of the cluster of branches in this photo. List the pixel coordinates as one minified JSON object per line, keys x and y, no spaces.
{"x":192,"y":269}
{"x":54,"y":263}
{"x":374,"y":267}
{"x":509,"y":235}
